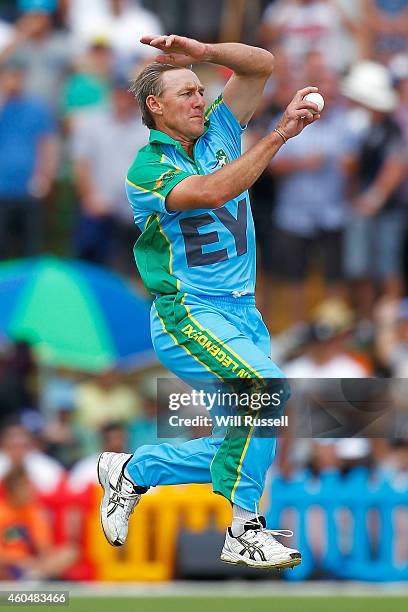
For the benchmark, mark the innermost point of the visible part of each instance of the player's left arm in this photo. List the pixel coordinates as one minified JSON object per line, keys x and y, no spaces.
{"x":252,"y":67}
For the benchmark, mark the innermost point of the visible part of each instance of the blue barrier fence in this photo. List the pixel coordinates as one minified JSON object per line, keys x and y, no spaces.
{"x":362,"y":522}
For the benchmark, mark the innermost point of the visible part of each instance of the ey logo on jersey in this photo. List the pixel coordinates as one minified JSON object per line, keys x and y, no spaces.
{"x":222,"y":159}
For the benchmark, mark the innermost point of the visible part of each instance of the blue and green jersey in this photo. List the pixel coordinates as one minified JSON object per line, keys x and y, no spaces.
{"x":201,"y":251}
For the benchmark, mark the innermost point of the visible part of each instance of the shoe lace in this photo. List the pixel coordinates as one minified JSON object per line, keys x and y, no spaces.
{"x":128,"y":495}
{"x":119,"y":494}
{"x":261,"y":531}
{"x":285,"y":533}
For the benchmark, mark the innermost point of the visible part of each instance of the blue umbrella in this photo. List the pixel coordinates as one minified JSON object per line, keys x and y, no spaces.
{"x":75,"y":314}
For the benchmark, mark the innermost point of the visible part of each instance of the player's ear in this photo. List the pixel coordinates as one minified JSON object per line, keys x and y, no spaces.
{"x":154,"y":105}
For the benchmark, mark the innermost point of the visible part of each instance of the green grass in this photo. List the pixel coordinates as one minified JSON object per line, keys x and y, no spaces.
{"x":231,"y":604}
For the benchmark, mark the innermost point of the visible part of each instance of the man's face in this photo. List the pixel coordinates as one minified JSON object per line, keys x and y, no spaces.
{"x":36,"y":23}
{"x":16,"y":443}
{"x":115,"y":440}
{"x":181,"y":104}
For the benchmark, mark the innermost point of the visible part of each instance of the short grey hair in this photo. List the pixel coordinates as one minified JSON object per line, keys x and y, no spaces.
{"x":149,"y":82}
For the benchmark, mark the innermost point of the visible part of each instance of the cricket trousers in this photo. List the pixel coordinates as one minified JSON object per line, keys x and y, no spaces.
{"x":215,"y":338}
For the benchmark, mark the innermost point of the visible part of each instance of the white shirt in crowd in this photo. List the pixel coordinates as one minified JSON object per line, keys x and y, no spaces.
{"x":45,"y":473}
{"x":109,"y":146}
{"x":314,"y":26}
{"x":93,"y":18}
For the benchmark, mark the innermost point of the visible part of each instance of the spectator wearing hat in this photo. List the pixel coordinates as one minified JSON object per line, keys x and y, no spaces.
{"x":103,"y":145}
{"x":326,"y":354}
{"x":45,"y":52}
{"x":373,"y":246}
{"x":28,"y":162}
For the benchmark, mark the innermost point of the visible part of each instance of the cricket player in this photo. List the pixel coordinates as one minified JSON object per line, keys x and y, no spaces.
{"x":196,"y":254}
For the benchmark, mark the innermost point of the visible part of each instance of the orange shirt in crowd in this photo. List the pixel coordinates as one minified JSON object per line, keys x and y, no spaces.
{"x":24,"y":532}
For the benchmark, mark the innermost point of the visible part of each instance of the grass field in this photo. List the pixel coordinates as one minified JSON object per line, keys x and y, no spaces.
{"x":227,"y":604}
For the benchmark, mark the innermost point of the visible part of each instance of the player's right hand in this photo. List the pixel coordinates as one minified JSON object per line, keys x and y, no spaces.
{"x":177,"y":50}
{"x":298,"y":113}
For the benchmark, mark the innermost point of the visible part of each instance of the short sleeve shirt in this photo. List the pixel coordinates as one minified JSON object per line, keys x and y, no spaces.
{"x":201,"y":251}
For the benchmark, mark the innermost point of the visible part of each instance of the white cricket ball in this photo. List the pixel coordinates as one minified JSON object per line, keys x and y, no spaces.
{"x":316,"y":98}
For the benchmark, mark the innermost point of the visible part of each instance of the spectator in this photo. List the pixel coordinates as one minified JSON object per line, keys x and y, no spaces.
{"x":277,"y":96}
{"x":114,"y":439}
{"x":18,"y":448}
{"x":313,"y":165}
{"x":18,"y":393}
{"x":385,"y":28}
{"x":103,"y":146}
{"x":122,"y":22}
{"x":45,"y":52}
{"x":26,"y":539}
{"x":97,"y":400}
{"x":28,"y":161}
{"x":304,"y":25}
{"x":399,"y":71}
{"x":326,"y":355}
{"x":62,"y":438}
{"x":23,"y":368}
{"x":391,"y":318}
{"x":143,"y":429}
{"x":82,"y":479}
{"x":373,"y":248}
{"x":89,"y":85}
{"x":395,"y":464}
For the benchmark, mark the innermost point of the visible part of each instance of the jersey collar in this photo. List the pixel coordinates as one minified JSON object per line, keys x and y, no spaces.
{"x":158,"y":136}
{"x":163,"y":138}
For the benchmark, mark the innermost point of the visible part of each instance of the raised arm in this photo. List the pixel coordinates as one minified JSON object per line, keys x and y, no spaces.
{"x":213,"y":190}
{"x":252,"y":67}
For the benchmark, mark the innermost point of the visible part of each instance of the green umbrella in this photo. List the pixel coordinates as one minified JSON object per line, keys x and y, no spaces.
{"x":75,"y":314}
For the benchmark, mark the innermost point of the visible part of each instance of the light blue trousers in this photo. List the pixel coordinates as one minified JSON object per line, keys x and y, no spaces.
{"x":218,"y":338}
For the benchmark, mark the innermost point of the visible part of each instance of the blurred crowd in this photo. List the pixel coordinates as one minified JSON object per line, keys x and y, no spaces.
{"x":330,"y":212}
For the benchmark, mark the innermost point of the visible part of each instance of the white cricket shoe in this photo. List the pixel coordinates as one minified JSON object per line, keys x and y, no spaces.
{"x":257,"y":547}
{"x":120,"y":496}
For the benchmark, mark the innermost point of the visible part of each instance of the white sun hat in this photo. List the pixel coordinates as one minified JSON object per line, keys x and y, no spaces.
{"x":370,"y":84}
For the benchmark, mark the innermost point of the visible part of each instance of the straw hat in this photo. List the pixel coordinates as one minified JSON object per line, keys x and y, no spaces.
{"x":370,"y":84}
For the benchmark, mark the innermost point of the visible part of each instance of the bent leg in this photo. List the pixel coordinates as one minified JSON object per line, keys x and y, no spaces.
{"x":164,"y":464}
{"x":210,"y":344}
